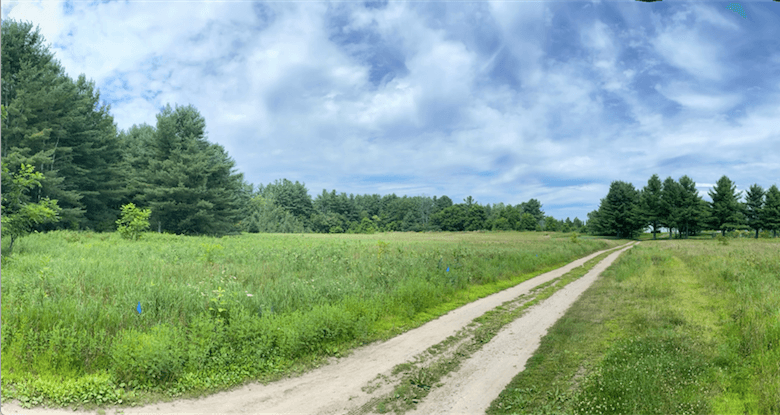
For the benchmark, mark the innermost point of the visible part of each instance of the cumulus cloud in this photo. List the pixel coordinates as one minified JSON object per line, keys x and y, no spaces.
{"x":504,"y":101}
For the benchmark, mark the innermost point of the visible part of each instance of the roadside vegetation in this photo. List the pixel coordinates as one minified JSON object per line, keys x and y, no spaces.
{"x":684,"y":327}
{"x":96,"y":318}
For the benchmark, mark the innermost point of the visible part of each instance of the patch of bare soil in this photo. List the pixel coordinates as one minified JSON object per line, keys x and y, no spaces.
{"x":349,"y":384}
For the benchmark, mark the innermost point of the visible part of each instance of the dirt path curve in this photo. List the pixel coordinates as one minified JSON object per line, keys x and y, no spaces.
{"x":482,"y":377}
{"x":337,"y":388}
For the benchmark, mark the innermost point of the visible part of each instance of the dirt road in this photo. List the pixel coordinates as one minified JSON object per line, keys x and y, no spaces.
{"x":347,"y":384}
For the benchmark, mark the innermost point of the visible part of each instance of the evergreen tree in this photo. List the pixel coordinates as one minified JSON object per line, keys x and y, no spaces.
{"x":60,"y":127}
{"x":189,"y":183}
{"x":37,"y":96}
{"x":754,"y":206}
{"x":671,"y":202}
{"x":593,"y":224}
{"x":725,"y":209}
{"x":267,"y":217}
{"x":770,"y":218}
{"x":692,"y":210}
{"x":651,"y":204}
{"x":619,"y":212}
{"x":292,"y":197}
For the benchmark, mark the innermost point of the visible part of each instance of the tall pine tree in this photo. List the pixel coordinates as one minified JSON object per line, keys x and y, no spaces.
{"x":671,"y":200}
{"x":189,"y":183}
{"x":725,"y":209}
{"x":619,"y":213}
{"x":770,"y":217}
{"x":651,"y":204}
{"x":754,"y":206}
{"x":691,"y":212}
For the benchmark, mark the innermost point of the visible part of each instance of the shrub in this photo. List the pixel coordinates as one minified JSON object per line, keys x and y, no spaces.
{"x":133,"y":221}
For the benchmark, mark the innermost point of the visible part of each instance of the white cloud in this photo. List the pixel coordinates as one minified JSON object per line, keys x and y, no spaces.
{"x":505,"y":101}
{"x":684,"y":48}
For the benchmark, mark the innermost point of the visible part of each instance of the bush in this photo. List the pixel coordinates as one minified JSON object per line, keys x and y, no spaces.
{"x":133,"y":221}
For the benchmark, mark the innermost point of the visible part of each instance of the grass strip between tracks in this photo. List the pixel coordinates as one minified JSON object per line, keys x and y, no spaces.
{"x":414,"y":380}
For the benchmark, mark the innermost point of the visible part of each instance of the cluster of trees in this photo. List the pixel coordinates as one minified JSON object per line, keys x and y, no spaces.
{"x":61,"y":152}
{"x":284,"y":206}
{"x":677,"y":206}
{"x":88,"y":169}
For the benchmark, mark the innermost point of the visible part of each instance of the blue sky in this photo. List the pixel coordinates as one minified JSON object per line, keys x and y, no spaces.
{"x":504,"y":101}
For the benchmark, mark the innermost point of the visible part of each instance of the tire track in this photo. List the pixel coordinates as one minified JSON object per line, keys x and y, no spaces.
{"x":481,"y":378}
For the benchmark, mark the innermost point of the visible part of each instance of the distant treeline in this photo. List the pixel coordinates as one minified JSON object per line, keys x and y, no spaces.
{"x":677,"y":206}
{"x":284,"y":206}
{"x":63,"y":156}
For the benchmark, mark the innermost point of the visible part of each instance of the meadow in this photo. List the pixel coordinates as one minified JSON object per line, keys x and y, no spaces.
{"x":91,"y":318}
{"x":674,"y":326}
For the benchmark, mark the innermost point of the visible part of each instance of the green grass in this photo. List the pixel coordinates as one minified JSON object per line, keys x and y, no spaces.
{"x":413,"y":381}
{"x":680,"y":327}
{"x":220,"y":312}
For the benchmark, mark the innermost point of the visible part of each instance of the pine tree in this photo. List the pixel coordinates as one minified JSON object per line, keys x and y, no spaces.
{"x":771,"y":213}
{"x":692,"y":209}
{"x":619,"y":212}
{"x":651,"y":204}
{"x":725,"y":209}
{"x":189,"y":183}
{"x":59,"y":126}
{"x":671,"y":195}
{"x":754,"y":206}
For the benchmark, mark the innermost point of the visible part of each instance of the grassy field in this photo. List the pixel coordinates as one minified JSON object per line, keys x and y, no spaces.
{"x":683,"y":327}
{"x":95,"y":319}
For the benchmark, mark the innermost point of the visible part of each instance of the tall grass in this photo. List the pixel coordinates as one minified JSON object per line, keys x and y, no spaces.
{"x":216,"y":312}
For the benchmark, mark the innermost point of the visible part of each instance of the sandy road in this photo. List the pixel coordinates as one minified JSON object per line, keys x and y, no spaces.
{"x":338,"y":387}
{"x":481,"y":378}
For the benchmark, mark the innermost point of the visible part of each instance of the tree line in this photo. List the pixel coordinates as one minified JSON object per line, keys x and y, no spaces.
{"x":65,"y":165}
{"x":677,"y":206}
{"x":284,"y":206}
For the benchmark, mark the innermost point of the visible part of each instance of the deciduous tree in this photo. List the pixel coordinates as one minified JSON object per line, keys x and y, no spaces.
{"x":19,"y":214}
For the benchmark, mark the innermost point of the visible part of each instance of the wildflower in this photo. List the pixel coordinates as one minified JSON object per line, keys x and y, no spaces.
{"x":249,"y":295}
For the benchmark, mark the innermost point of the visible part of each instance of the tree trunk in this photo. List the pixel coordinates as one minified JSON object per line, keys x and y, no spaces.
{"x":756,"y":233}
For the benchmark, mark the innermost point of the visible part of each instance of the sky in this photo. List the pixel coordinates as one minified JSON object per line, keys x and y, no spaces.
{"x":500,"y":100}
